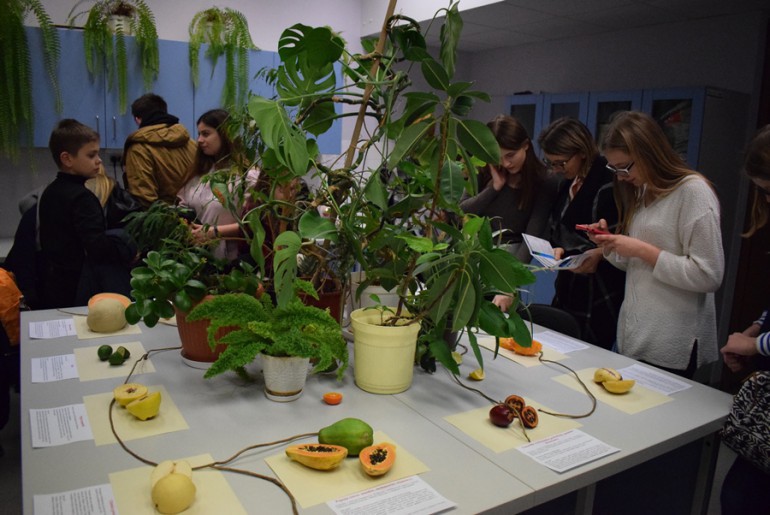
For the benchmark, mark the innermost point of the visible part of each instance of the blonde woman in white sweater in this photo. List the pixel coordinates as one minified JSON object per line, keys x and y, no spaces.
{"x":670,"y":245}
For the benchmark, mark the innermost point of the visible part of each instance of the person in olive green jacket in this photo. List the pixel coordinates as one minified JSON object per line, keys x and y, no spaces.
{"x":157,"y":156}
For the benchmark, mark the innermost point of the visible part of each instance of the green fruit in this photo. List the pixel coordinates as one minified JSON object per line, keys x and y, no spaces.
{"x":352,"y":433}
{"x":104,"y":352}
{"x":119,"y":356}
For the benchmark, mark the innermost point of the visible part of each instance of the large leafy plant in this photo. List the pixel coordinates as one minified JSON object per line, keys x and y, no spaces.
{"x":16,"y":117}
{"x":226,"y":32}
{"x":105,"y":42}
{"x":400,"y":217}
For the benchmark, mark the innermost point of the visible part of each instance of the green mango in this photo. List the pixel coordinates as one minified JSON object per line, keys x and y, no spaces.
{"x":351,"y":433}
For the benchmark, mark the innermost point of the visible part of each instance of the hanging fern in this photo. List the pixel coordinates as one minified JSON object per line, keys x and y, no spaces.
{"x":16,"y":116}
{"x":226,"y":32}
{"x":105,"y":47}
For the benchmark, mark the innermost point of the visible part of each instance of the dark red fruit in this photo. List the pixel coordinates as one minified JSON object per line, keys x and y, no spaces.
{"x":501,"y":415}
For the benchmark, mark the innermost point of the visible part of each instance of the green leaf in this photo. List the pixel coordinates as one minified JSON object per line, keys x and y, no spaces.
{"x":320,"y":118}
{"x":286,"y":247}
{"x":478,"y":139}
{"x":452,"y":182}
{"x":313,"y":226}
{"x":465,"y":302}
{"x":503,"y":271}
{"x":492,"y":320}
{"x":375,"y":191}
{"x":450,"y":38}
{"x":462,"y":105}
{"x":417,"y":243}
{"x":456,"y":88}
{"x":407,"y":140}
{"x":485,"y":235}
{"x":435,"y":74}
{"x":280,"y":134}
{"x":518,"y":330}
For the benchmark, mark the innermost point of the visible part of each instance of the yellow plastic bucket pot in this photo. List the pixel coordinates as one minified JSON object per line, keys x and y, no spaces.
{"x":383,"y":356}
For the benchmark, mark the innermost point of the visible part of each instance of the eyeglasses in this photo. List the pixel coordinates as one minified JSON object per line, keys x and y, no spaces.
{"x":557,"y":164}
{"x":623,"y":171}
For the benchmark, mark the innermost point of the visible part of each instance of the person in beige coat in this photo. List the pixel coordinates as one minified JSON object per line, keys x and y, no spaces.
{"x":157,"y":156}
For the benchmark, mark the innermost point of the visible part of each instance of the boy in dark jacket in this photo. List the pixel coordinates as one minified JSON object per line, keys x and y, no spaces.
{"x":82,"y":258}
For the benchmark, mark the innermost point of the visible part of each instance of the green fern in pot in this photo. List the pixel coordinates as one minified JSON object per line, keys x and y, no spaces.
{"x":226,"y":32}
{"x":16,"y":116}
{"x":105,"y":41}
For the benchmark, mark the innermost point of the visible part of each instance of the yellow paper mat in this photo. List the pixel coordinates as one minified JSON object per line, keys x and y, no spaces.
{"x":84,"y":333}
{"x":476,"y":424}
{"x":133,"y":491}
{"x":91,"y":368}
{"x":128,"y":426}
{"x":634,"y":401}
{"x":488,"y":342}
{"x":311,"y":487}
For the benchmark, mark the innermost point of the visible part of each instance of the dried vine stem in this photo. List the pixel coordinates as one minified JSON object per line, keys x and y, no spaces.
{"x":217,"y":465}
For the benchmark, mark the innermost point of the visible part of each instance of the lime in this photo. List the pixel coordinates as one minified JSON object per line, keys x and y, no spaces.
{"x":124,"y":352}
{"x":104,"y":352}
{"x":116,"y":359}
{"x":457,"y":357}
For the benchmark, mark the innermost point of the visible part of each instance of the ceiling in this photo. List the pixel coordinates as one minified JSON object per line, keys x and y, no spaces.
{"x":518,"y":22}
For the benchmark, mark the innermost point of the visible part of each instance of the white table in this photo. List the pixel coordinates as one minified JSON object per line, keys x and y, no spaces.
{"x":225,"y":415}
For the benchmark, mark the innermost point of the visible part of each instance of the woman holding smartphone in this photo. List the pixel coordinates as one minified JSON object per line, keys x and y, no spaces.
{"x":593,"y":292}
{"x":669,"y":242}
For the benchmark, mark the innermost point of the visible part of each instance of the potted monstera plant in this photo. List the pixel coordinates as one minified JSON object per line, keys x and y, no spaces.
{"x":405,"y":206}
{"x":107,"y":24}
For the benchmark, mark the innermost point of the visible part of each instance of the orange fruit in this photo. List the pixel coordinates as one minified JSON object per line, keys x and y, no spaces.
{"x":532,"y":350}
{"x":332,"y":398}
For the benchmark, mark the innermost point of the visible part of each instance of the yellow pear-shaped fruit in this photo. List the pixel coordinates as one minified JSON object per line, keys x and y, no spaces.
{"x":164,"y":468}
{"x":128,"y":392}
{"x":145,"y":407}
{"x":606,"y":374}
{"x":619,"y":386}
{"x":173,"y":493}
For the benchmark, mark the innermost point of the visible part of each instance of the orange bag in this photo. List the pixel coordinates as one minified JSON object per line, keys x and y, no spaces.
{"x":10,"y":297}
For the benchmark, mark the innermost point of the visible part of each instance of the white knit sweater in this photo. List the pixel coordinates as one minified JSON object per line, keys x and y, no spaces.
{"x":668,"y":307}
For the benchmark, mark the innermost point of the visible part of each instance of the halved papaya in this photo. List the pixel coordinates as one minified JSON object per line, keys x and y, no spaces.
{"x":378,"y":459}
{"x":316,"y":455}
{"x":532,"y":350}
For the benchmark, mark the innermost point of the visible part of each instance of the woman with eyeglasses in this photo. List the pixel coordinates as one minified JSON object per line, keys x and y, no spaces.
{"x":744,"y":489}
{"x":517,"y":195}
{"x":669,"y":242}
{"x":593,"y":292}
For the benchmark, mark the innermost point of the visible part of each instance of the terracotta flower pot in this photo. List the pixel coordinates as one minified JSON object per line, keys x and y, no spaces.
{"x":195,"y":345}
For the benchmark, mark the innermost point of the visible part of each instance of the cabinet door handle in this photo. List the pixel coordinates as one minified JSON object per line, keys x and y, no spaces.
{"x":99,"y":132}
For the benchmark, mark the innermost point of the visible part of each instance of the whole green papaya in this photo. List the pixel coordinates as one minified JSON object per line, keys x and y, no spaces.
{"x":352,"y":433}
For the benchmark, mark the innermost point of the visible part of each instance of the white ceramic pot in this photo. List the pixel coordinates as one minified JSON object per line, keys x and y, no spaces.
{"x":383,"y":356}
{"x":284,"y":377}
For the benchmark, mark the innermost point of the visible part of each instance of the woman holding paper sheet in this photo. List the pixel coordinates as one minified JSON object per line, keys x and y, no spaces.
{"x":669,"y":242}
{"x":593,"y":292}
{"x":517,"y":195}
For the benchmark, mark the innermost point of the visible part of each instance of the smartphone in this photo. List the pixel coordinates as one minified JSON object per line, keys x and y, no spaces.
{"x":583,"y":227}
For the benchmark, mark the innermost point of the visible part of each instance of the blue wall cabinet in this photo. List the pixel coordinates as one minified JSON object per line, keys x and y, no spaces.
{"x":528,"y":110}
{"x":82,"y":97}
{"x":559,"y":105}
{"x":679,"y":112}
{"x":603,"y":104}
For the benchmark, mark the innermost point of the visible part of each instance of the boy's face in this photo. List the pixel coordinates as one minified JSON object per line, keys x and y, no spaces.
{"x":85,"y":163}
